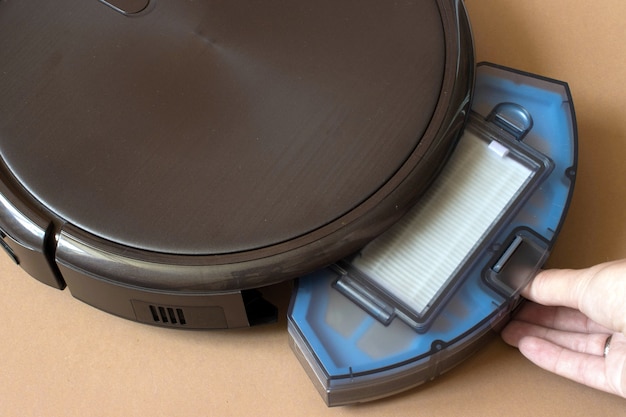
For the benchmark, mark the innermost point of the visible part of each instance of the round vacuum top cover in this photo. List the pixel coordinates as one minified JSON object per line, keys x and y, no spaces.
{"x":229,"y":128}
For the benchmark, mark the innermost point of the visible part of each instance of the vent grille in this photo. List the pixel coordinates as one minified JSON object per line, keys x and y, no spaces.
{"x":168,"y":315}
{"x":184,"y":316}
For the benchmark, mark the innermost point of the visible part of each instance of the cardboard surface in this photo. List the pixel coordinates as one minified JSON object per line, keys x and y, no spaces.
{"x":59,"y":357}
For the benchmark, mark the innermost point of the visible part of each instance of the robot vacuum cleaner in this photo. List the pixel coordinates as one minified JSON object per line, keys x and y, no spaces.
{"x":165,"y":161}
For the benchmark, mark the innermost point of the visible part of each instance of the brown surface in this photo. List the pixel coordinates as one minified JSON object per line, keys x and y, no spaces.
{"x":60,"y":357}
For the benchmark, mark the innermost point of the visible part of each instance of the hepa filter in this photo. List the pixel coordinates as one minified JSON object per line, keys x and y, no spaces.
{"x":404,"y":271}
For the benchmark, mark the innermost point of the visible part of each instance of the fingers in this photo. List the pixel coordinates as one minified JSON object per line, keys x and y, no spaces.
{"x":566,"y":331}
{"x":580,"y":367}
{"x":567,"y":350}
{"x":591,"y":344}
{"x":560,"y":318}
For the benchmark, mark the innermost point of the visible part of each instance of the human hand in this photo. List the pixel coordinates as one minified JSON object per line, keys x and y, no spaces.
{"x":566,"y":327}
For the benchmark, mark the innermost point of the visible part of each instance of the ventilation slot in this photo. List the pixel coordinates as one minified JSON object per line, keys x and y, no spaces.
{"x":183,"y":316}
{"x":168,"y":315}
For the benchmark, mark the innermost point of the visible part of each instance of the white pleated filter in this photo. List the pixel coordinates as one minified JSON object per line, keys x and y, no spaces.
{"x":420,"y":254}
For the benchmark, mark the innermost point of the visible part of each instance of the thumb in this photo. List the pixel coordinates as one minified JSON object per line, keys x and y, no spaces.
{"x":599,"y":292}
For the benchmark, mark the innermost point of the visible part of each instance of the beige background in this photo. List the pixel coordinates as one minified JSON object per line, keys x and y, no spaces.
{"x":59,"y":357}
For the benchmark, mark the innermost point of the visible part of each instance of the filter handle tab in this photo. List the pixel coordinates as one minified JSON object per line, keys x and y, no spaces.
{"x":518,"y":262}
